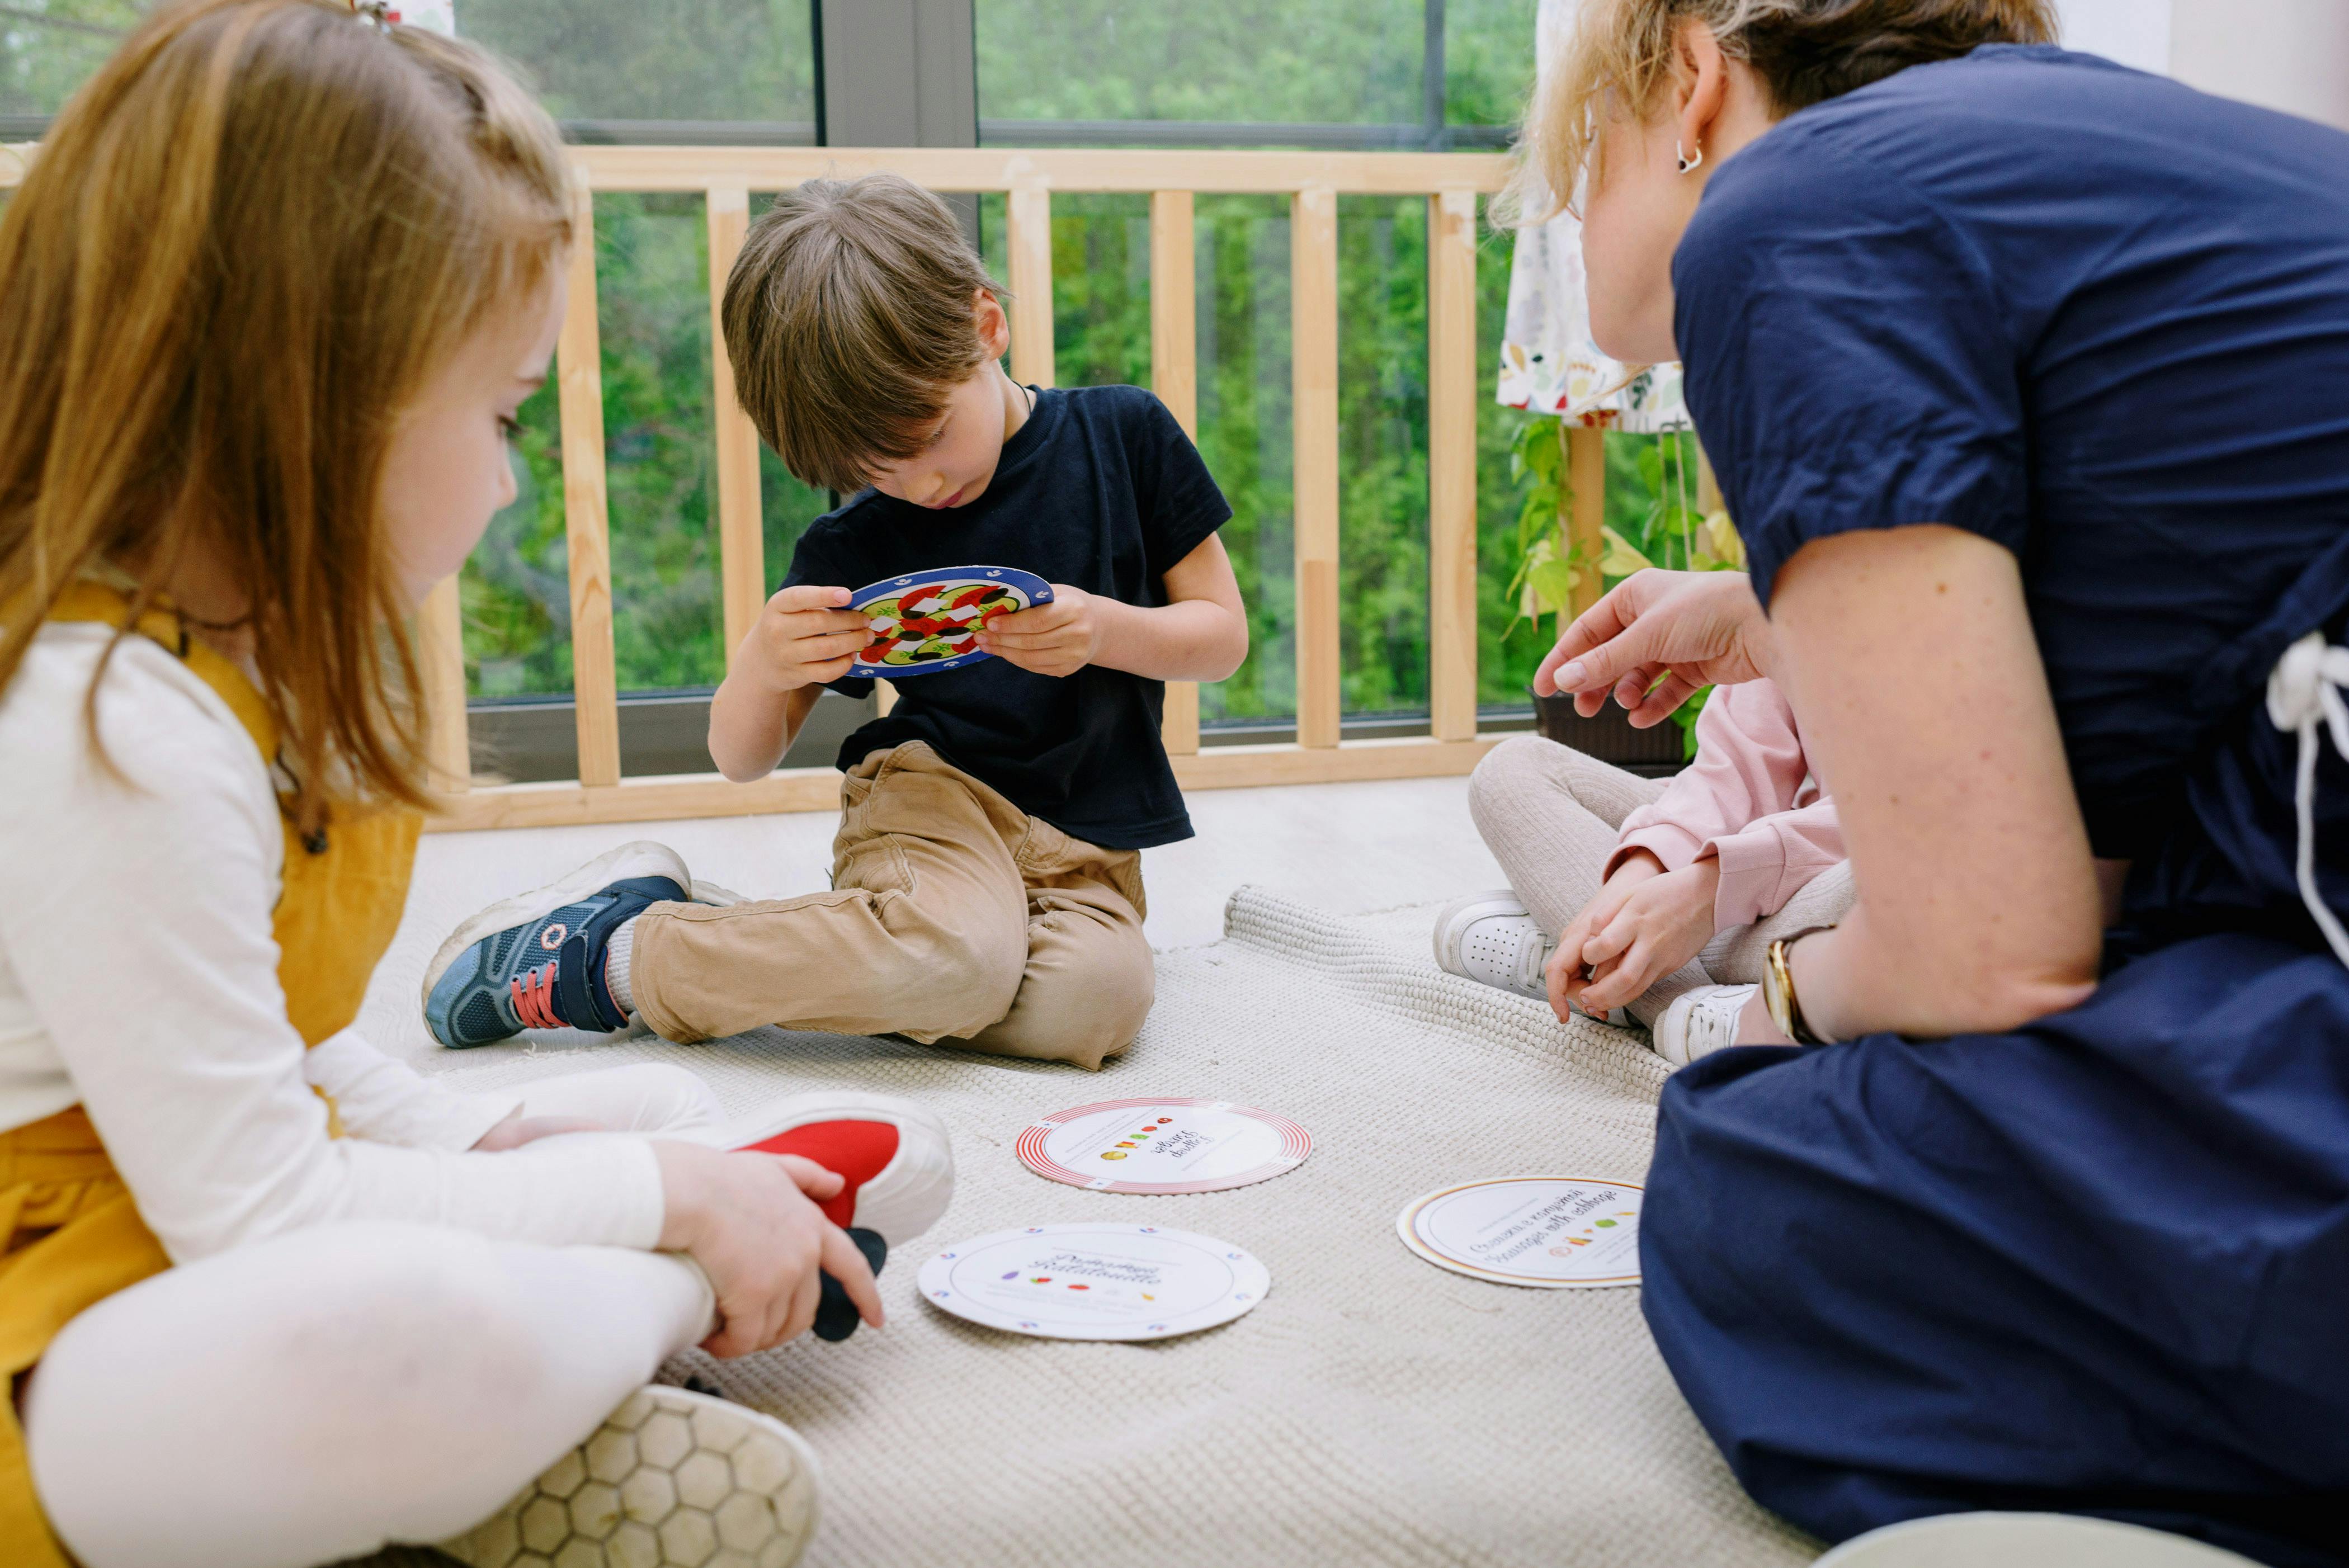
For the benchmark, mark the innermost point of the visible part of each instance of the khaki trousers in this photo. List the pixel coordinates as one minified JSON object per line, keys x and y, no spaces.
{"x":953,"y":915}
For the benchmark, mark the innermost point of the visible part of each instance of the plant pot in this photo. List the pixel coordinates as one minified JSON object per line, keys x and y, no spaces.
{"x":1608,"y":735}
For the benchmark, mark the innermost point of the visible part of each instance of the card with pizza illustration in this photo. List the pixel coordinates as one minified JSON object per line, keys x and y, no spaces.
{"x":929,"y":621}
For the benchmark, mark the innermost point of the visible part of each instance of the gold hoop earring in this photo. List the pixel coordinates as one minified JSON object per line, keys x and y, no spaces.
{"x":1688,"y":164}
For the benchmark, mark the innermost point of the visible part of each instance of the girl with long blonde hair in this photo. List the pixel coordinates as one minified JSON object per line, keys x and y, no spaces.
{"x":270,"y":296}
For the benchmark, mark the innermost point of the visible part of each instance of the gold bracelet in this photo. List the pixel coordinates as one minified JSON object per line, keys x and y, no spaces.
{"x":1778,"y":991}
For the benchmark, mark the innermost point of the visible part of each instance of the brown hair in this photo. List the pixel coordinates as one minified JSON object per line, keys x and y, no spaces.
{"x":246,"y":243}
{"x":1619,"y":54}
{"x":849,"y":317}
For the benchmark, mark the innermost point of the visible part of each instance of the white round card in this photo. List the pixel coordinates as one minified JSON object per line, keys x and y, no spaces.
{"x":1095,"y":1282}
{"x":1162,"y":1146}
{"x":1557,"y":1233}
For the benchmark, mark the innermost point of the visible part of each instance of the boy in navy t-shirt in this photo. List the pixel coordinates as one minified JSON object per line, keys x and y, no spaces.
{"x":987,"y":884}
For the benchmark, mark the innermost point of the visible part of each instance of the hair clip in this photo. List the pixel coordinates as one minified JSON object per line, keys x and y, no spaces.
{"x":375,"y":14}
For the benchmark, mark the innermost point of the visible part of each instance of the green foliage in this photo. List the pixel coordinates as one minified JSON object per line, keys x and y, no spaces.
{"x":1354,"y":62}
{"x":49,"y":47}
{"x":1262,"y":60}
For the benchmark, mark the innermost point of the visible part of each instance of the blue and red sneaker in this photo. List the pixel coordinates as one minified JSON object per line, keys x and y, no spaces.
{"x":537,"y":962}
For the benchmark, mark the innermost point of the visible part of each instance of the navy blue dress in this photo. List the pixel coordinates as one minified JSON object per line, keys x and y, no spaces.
{"x":2100,"y":1265}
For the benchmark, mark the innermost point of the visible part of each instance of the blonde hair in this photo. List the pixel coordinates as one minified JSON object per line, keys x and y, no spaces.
{"x":1618,"y":58}
{"x":850,"y":315}
{"x":246,"y":243}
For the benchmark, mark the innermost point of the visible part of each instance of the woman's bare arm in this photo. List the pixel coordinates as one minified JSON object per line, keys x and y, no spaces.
{"x":1909,"y":656}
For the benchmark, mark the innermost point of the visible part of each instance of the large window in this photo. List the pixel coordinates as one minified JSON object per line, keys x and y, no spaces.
{"x":1338,"y":73}
{"x":1322,"y":74}
{"x":1313,"y":74}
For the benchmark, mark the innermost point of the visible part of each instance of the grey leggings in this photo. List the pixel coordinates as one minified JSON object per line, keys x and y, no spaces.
{"x":1551,"y":816}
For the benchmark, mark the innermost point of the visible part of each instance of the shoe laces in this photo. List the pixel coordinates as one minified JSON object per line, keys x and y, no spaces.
{"x":533,"y":998}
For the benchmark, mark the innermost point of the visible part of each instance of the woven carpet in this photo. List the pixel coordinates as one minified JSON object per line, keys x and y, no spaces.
{"x":1372,"y":1411}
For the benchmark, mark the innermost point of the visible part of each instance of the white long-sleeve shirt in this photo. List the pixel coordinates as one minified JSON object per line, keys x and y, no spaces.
{"x":138,"y":977}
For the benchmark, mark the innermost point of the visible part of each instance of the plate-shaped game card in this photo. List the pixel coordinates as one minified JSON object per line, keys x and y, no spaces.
{"x":1162,"y":1146}
{"x":931,"y":621}
{"x":1553,"y":1232}
{"x":1095,"y":1282}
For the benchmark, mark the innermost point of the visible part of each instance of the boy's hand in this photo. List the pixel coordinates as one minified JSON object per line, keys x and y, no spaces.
{"x":1059,"y":637}
{"x":804,"y":637}
{"x":1644,"y":924}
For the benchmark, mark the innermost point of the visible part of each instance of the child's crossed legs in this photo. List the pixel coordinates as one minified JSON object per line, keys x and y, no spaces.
{"x":1552,"y":817}
{"x":953,"y":915}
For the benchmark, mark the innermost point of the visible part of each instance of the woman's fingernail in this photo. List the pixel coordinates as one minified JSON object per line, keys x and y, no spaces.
{"x":1570,"y":678}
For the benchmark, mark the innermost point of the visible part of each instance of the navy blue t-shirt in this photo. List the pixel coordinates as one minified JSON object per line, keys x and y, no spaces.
{"x":2090,"y":313}
{"x":1100,"y":489}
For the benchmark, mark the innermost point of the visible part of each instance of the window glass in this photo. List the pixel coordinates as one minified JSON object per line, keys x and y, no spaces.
{"x":1250,"y":62}
{"x":47,"y":48}
{"x":1317,"y":61}
{"x":591,"y":61}
{"x":673,"y":61}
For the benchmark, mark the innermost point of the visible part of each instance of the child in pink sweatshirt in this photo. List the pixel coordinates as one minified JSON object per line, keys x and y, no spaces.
{"x":1659,"y":898}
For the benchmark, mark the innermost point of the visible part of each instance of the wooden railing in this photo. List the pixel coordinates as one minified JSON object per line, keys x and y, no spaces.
{"x":726,"y":178}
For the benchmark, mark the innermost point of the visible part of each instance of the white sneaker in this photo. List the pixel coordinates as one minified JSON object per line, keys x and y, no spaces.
{"x":894,"y":1156}
{"x":670,"y":1477}
{"x":1700,"y":1022}
{"x":1488,"y":937}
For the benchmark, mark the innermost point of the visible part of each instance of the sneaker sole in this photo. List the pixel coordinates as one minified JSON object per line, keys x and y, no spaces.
{"x":670,"y":1477}
{"x":910,"y":1193}
{"x":643,"y":858}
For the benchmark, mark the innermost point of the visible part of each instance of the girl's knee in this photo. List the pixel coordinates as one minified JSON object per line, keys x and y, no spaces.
{"x":643,"y":1096}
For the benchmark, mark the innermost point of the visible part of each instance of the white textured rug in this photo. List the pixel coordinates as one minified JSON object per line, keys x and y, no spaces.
{"x":1372,"y":1411}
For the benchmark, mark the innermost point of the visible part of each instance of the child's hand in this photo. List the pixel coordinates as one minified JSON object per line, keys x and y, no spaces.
{"x":1058,"y":637}
{"x":803,"y":638}
{"x":1645,"y":923}
{"x":751,"y":1222}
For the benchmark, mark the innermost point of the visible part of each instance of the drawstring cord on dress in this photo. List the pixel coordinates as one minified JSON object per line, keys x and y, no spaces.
{"x":2304,"y":689}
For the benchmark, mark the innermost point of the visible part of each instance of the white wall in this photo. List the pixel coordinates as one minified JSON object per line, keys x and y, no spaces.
{"x":2292,"y":55}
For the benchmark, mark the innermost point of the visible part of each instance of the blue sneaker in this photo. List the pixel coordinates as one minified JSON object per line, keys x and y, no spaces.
{"x":537,"y":962}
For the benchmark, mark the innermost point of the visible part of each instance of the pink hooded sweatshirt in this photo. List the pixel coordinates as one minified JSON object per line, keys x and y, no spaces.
{"x":1749,"y":798}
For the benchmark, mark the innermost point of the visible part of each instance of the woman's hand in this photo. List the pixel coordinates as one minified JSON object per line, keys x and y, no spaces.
{"x":1683,"y":629}
{"x":751,"y":1222}
{"x":1644,"y":924}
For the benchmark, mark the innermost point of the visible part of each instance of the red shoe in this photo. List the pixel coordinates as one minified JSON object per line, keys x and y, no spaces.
{"x":894,"y":1155}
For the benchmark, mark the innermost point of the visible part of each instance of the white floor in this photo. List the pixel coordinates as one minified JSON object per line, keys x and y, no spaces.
{"x":1344,"y":847}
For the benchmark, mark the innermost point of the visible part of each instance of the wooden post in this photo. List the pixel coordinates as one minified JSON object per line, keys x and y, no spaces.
{"x":1174,"y":377}
{"x":1586,"y":505}
{"x":594,"y":686}
{"x":1313,"y":349}
{"x":885,"y":697}
{"x":1452,"y":465}
{"x":440,"y":665}
{"x":741,"y":537}
{"x":1708,"y":486}
{"x":1031,"y":209}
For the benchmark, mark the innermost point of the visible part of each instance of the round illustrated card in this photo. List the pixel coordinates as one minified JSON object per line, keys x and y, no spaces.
{"x":1554,"y":1233}
{"x":931,"y":621}
{"x":1164,"y":1146}
{"x":1095,"y":1282}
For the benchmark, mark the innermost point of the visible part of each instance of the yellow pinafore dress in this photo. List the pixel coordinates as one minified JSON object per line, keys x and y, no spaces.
{"x":69,"y":1233}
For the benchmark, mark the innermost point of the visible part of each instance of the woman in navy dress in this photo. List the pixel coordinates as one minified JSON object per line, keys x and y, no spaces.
{"x":2027,"y":381}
